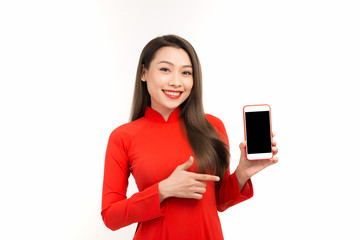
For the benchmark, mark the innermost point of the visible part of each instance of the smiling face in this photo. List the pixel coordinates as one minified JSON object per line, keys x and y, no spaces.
{"x":169,"y":79}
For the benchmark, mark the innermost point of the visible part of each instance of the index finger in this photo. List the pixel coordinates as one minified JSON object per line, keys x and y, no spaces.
{"x":205,"y":177}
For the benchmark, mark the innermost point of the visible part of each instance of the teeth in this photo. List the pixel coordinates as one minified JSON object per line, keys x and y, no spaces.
{"x":172,"y":93}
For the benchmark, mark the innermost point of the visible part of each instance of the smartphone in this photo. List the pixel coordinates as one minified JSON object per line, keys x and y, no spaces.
{"x":258,"y":134}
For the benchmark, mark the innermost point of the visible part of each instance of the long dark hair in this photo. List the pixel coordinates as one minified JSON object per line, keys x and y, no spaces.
{"x":210,"y":151}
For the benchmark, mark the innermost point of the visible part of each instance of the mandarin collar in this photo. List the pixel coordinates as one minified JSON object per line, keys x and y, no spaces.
{"x":155,"y":116}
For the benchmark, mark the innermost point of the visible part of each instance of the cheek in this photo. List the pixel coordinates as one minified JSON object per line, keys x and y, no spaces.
{"x":158,"y":80}
{"x":189,"y":85}
{"x":153,"y":83}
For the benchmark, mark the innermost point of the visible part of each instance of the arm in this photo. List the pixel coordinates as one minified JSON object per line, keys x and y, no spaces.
{"x":230,"y":191}
{"x":237,"y":187}
{"x":241,"y":179}
{"x":246,"y":169}
{"x":118,"y":210}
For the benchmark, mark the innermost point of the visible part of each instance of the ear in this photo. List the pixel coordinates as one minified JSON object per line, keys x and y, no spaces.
{"x":143,"y":73}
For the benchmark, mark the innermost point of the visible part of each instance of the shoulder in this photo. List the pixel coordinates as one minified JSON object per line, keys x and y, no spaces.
{"x":128,"y":130}
{"x":219,"y":126}
{"x":216,"y":122}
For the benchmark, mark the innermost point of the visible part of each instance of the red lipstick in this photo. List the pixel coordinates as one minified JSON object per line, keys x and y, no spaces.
{"x":172,"y":94}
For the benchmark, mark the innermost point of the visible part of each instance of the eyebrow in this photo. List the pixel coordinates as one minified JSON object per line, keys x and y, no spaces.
{"x":173,"y":64}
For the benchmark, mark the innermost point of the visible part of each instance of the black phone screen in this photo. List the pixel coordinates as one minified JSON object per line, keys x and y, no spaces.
{"x":258,"y":136}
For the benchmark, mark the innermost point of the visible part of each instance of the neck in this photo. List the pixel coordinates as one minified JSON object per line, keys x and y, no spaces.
{"x":164,"y":113}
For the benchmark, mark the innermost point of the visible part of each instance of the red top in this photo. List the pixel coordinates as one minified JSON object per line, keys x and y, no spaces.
{"x":150,"y":149}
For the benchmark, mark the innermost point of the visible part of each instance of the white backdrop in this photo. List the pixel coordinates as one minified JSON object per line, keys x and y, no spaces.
{"x":67,"y":71}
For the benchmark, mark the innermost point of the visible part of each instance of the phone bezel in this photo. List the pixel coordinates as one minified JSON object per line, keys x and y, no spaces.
{"x":258,"y":108}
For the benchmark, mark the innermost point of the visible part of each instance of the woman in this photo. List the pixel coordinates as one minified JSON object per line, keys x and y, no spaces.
{"x":178,"y":155}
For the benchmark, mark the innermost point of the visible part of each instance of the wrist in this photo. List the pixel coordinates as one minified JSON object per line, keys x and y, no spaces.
{"x":163,"y":194}
{"x":242,"y":177}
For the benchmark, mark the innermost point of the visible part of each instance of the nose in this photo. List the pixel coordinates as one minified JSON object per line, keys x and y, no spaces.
{"x":175,"y":80}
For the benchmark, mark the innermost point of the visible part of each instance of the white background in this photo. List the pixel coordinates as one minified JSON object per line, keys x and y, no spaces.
{"x":67,"y":71}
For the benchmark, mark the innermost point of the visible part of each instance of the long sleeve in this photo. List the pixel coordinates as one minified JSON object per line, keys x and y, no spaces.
{"x":118,"y":210}
{"x":228,"y":192}
{"x":150,"y":148}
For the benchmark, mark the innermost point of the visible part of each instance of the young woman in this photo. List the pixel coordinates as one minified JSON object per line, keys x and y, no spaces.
{"x":177,"y":155}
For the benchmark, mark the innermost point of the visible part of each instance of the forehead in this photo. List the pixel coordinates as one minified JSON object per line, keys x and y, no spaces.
{"x":177,"y":56}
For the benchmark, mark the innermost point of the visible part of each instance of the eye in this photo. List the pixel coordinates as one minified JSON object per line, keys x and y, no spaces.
{"x":164,"y":69}
{"x":187,"y":73}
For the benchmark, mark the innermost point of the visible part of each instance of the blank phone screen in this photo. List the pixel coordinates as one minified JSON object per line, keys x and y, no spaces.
{"x":258,"y":134}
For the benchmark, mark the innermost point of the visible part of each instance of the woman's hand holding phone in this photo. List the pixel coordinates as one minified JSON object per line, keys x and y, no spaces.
{"x":248,"y":168}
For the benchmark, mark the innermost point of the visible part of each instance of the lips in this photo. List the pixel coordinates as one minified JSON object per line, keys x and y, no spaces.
{"x":172,"y":94}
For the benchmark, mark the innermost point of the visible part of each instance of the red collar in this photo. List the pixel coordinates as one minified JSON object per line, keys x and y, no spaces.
{"x":155,"y":116}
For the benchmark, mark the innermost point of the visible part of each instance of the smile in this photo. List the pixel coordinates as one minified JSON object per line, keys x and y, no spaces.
{"x":172,"y":94}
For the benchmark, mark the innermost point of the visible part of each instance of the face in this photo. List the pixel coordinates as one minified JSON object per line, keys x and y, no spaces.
{"x":169,"y":79}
